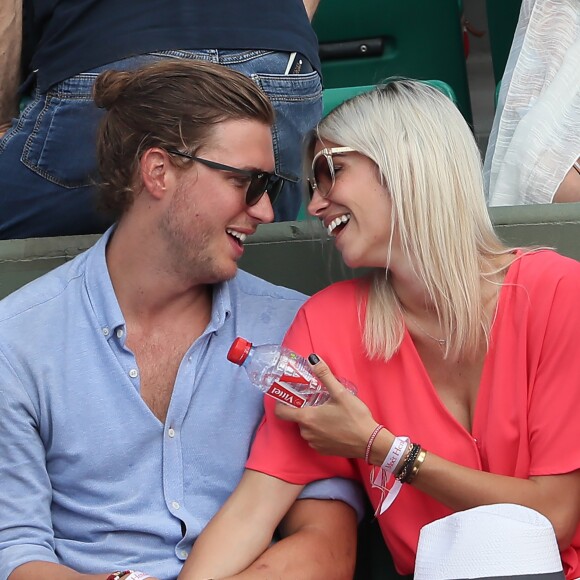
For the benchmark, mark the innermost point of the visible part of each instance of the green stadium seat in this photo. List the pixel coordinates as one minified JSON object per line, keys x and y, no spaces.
{"x":364,"y":42}
{"x":502,"y":19}
{"x":333,"y":97}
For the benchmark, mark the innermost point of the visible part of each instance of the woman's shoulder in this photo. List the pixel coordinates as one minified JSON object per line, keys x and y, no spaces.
{"x":542,"y":264}
{"x":339,"y":295}
{"x":544,"y":273}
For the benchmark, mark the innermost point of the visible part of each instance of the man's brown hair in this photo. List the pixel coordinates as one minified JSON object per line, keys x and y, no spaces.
{"x":172,"y":104}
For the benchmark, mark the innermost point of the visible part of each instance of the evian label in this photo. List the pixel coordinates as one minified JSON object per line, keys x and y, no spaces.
{"x":285,"y":395}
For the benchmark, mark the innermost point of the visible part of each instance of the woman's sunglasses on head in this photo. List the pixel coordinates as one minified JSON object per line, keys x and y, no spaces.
{"x":261,"y":182}
{"x":322,"y":175}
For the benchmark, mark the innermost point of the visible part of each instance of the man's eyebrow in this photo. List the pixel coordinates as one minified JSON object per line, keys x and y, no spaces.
{"x":255,"y":169}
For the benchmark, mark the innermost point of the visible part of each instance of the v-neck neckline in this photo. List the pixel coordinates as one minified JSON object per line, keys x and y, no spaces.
{"x":487,"y":362}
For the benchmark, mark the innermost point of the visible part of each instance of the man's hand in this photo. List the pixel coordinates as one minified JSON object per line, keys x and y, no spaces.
{"x":319,"y":541}
{"x":51,"y":571}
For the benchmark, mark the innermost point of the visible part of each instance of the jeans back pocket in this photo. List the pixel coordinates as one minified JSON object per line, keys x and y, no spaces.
{"x":61,"y":144}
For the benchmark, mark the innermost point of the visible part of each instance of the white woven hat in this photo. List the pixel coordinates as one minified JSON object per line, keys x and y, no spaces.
{"x":494,"y":541}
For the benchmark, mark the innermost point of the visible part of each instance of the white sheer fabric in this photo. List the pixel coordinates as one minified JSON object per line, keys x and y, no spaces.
{"x":535,"y":138}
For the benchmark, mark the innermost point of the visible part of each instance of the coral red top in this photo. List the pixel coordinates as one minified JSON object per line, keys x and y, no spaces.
{"x":526,"y":417}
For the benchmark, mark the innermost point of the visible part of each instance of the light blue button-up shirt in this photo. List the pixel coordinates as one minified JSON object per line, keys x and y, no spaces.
{"x":89,"y":477}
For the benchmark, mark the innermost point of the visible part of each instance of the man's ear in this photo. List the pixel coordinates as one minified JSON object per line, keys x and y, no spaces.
{"x":157,"y":171}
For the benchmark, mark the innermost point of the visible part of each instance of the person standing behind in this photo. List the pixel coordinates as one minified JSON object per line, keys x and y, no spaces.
{"x":124,"y":427}
{"x":10,"y":51}
{"x":47,"y":158}
{"x":533,"y":154}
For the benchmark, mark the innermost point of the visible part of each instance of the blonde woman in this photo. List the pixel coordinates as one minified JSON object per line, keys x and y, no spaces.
{"x":465,"y":351}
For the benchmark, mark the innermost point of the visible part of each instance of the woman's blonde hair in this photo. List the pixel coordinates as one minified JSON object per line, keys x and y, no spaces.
{"x":430,"y":164}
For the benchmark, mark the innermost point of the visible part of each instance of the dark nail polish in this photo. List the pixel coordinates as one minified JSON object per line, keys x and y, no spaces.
{"x":313,"y":359}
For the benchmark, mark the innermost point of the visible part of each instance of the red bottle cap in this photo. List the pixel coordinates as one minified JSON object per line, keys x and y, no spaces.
{"x":239,"y":350}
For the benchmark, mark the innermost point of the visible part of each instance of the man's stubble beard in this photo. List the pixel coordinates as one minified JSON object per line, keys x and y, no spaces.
{"x":189,"y":244}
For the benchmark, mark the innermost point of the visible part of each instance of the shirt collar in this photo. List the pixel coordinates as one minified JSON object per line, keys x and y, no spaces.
{"x":104,"y":301}
{"x":221,"y":308}
{"x":100,"y":288}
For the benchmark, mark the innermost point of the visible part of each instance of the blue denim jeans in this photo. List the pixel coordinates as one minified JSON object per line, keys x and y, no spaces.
{"x":48,"y":162}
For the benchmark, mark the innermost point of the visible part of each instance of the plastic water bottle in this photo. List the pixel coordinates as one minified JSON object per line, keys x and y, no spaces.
{"x":281,"y":373}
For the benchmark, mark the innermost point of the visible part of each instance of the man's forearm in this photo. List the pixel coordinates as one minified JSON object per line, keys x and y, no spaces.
{"x":51,"y":571}
{"x":10,"y":55}
{"x":311,"y":6}
{"x":321,"y":544}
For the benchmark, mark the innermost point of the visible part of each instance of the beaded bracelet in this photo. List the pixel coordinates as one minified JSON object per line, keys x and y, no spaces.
{"x":371,"y":441}
{"x":409,"y":461}
{"x":401,"y":463}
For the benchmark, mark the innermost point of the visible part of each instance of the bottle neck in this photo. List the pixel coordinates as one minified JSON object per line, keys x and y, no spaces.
{"x":249,"y":356}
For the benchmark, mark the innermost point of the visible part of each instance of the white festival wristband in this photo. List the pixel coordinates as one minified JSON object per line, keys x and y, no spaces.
{"x":385,"y":473}
{"x":397,"y":450}
{"x":137,"y":576}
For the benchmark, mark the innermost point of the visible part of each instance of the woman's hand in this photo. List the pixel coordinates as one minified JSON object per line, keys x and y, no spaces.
{"x":341,"y":426}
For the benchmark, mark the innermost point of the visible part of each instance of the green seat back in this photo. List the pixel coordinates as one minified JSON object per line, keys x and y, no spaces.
{"x":298,"y":254}
{"x":502,"y":19}
{"x":364,"y":42}
{"x":333,"y":97}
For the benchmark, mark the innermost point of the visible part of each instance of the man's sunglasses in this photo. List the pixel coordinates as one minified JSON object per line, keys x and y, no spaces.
{"x":260,"y":181}
{"x":322,"y":175}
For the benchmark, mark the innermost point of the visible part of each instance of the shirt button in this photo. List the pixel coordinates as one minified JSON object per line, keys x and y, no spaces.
{"x":183,"y":554}
{"x":119,"y":332}
{"x":175,"y":505}
{"x":106,"y":331}
{"x":133,"y":373}
{"x":171,"y":432}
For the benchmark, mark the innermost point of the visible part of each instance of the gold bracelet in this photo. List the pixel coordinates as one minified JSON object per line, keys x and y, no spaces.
{"x":416,"y":466}
{"x":405,"y":471}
